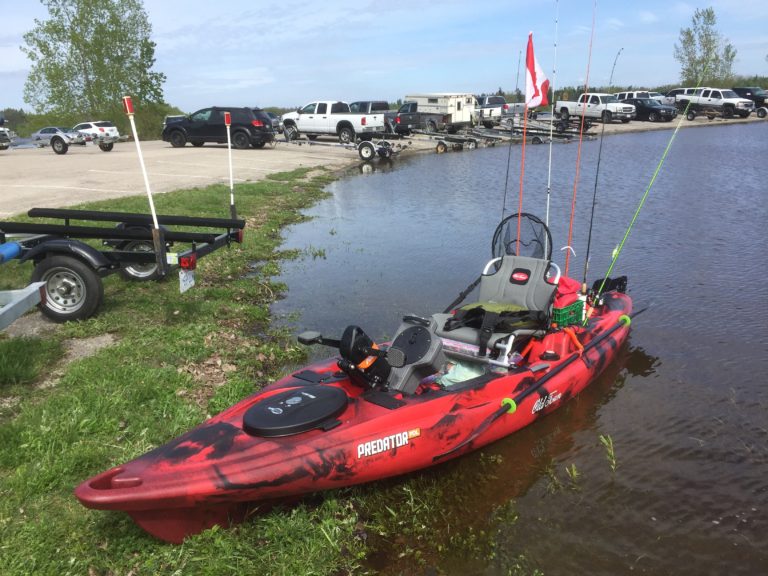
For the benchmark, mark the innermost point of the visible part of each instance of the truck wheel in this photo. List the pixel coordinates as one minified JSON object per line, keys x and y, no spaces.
{"x":59,"y":146}
{"x":691,"y":115}
{"x":106,"y":147}
{"x":139,"y":272}
{"x":366,"y":151}
{"x":564,"y":114}
{"x":290,"y":132}
{"x":607,"y":116}
{"x":73,"y":289}
{"x":346,"y":135}
{"x":727,"y":112}
{"x":177,"y":139}
{"x":240,"y":140}
{"x":762,"y":112}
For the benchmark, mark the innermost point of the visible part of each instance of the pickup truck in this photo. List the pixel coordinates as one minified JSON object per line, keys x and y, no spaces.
{"x":409,"y":118}
{"x":492,"y":109}
{"x":598,"y":105}
{"x":716,"y":100}
{"x":376,"y":107}
{"x":332,"y":117}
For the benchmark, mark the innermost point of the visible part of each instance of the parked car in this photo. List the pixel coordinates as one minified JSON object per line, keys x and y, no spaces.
{"x":97,"y":129}
{"x":652,"y":110}
{"x":754,"y":93}
{"x":58,"y":138}
{"x":250,"y":127}
{"x":277,"y":123}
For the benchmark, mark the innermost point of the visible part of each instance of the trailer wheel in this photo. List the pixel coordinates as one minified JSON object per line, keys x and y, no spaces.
{"x":471,"y":144}
{"x":73,"y":289}
{"x":441,"y":147}
{"x":139,"y":272}
{"x":366,"y":151}
{"x":59,"y":146}
{"x":107,"y":147}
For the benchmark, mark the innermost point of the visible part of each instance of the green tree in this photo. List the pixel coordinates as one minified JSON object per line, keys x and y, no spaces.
{"x":704,"y":55}
{"x":88,"y":55}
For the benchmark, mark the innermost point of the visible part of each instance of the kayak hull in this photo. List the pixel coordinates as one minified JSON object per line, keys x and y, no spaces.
{"x":215,"y":473}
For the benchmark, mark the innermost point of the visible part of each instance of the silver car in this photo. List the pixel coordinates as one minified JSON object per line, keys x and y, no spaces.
{"x":58,"y":138}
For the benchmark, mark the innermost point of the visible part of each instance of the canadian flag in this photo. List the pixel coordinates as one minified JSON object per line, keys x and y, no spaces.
{"x":536,"y":84}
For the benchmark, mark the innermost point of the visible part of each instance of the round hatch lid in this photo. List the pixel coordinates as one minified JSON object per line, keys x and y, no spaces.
{"x":294,"y":411}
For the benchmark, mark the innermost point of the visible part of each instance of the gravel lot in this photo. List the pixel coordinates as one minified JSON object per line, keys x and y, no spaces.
{"x":34,"y":177}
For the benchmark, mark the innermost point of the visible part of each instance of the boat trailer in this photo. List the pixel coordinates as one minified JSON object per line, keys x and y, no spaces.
{"x":366,"y":149}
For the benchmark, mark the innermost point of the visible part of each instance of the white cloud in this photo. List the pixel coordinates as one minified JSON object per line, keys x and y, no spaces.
{"x":648,"y":17}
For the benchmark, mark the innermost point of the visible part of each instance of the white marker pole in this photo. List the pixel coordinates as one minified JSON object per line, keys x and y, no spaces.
{"x":228,"y":123}
{"x":128,"y":107}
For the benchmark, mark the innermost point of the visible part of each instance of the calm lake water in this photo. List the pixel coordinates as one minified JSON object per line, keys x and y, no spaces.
{"x":686,"y":405}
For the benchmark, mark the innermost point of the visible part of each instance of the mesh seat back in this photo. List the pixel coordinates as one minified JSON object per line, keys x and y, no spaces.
{"x":519,"y":280}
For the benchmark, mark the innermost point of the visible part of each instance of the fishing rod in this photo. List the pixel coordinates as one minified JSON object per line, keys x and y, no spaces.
{"x":581,"y":140}
{"x":551,"y":122}
{"x":509,"y":150}
{"x":594,"y":192}
{"x":620,"y":247}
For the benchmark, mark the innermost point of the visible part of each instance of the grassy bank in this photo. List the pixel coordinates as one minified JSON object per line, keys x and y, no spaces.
{"x":171,"y":360}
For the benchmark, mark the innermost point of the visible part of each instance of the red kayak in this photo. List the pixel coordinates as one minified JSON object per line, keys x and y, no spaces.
{"x":445,"y":385}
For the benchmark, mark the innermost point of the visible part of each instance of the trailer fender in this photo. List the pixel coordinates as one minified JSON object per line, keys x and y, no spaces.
{"x":81,"y":250}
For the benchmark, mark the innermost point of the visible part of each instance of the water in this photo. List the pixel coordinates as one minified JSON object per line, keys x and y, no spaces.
{"x":686,"y":405}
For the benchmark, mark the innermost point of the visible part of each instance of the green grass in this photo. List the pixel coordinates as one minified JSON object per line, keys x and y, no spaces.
{"x":143,"y":390}
{"x":154,"y":383}
{"x":23,"y":359}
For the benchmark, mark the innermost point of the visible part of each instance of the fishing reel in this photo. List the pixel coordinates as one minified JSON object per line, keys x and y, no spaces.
{"x":366,"y":364}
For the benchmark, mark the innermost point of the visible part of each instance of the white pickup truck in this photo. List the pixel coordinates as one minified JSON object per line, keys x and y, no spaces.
{"x":596,"y":105}
{"x":331,"y":117}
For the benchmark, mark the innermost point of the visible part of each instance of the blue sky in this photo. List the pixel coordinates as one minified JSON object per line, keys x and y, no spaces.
{"x":288,"y":52}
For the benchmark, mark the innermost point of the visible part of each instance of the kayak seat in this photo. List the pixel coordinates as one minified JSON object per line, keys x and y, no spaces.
{"x":514,"y":303}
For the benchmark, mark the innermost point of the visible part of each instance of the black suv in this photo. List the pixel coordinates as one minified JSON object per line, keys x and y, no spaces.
{"x":250,"y":127}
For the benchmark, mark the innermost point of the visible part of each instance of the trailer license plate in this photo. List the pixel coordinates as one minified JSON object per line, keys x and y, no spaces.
{"x":186,"y":280}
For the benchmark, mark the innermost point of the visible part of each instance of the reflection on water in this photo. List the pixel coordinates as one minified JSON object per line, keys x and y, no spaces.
{"x":686,"y":407}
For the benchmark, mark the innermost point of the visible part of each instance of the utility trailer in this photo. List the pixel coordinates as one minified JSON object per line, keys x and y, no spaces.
{"x":72,"y":270}
{"x":366,"y":149}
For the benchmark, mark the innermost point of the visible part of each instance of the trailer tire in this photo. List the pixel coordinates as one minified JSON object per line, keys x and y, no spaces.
{"x":74,"y":290}
{"x":59,"y":146}
{"x":346,"y":135}
{"x":139,"y":272}
{"x":441,"y":147}
{"x":106,"y":147}
{"x":366,"y":151}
